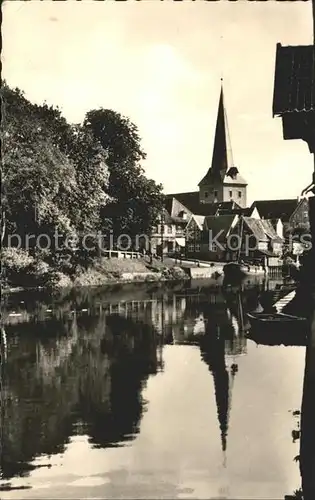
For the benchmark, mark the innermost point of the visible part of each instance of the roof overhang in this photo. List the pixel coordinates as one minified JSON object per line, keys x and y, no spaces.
{"x":294,"y":92}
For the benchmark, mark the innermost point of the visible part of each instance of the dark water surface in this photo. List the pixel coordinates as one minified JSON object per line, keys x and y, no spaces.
{"x":142,"y":393}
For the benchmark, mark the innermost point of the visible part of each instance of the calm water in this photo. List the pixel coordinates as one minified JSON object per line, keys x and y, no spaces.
{"x":136,"y":393}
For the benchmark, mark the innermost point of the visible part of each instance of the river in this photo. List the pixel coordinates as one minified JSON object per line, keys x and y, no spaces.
{"x":142,"y":392}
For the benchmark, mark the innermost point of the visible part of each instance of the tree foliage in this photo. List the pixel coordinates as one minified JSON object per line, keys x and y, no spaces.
{"x":136,"y":200}
{"x":73,"y":179}
{"x":54,"y":175}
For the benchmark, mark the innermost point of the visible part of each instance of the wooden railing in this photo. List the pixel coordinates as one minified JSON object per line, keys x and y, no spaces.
{"x":122,"y":254}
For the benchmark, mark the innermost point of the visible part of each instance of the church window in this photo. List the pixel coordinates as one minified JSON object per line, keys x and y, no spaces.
{"x":231,"y":193}
{"x":240,"y":194}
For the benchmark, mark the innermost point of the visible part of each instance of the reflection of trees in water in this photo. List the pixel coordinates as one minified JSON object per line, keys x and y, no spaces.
{"x":93,"y":370}
{"x":131,"y":352}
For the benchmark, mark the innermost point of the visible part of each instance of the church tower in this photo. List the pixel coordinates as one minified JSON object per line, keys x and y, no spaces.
{"x":222,"y":181}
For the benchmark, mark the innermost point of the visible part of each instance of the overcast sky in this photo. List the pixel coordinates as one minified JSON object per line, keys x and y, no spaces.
{"x":160,"y":64}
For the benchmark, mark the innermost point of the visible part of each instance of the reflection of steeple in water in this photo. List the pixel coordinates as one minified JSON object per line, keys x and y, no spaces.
{"x":219,"y":350}
{"x":212,"y":353}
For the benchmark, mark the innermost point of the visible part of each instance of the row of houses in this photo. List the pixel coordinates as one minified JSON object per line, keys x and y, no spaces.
{"x":225,"y":231}
{"x":215,"y":223}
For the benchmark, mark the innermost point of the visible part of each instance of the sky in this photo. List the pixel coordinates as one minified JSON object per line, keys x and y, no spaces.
{"x":160,"y":64}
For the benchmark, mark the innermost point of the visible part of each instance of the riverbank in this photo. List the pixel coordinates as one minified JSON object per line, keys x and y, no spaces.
{"x":22,"y":272}
{"x":100,"y":272}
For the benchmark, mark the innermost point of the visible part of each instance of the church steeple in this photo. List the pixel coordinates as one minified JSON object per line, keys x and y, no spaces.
{"x":222,"y":159}
{"x":222,"y":182}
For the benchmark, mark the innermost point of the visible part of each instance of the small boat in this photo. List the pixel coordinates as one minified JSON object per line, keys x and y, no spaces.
{"x":298,"y":337}
{"x":274,"y":318}
{"x":277,"y":327}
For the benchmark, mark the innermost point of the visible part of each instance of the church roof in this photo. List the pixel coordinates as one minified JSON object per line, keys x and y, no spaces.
{"x":192,"y":203}
{"x":294,"y":88}
{"x":222,"y":158}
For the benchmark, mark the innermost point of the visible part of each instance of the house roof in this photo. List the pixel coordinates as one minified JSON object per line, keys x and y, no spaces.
{"x":167,"y":219}
{"x":247,"y":212}
{"x":294,"y":87}
{"x":220,"y":225}
{"x":168,"y":204}
{"x":190,"y":200}
{"x":256,"y":228}
{"x":276,"y":209}
{"x":270,"y":231}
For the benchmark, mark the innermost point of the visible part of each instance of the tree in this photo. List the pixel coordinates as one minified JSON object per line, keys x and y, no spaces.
{"x":137,"y":201}
{"x":33,"y":170}
{"x":54,"y":174}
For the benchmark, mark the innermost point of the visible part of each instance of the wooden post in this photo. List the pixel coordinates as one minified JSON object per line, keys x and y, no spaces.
{"x":307,"y":444}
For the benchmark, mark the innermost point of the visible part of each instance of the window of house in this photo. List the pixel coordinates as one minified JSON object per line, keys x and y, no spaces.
{"x":169,"y":228}
{"x":213,"y":247}
{"x":197,"y":247}
{"x":240,"y":194}
{"x":215,"y":193}
{"x":191,"y":247}
{"x":206,"y":194}
{"x":231,"y":194}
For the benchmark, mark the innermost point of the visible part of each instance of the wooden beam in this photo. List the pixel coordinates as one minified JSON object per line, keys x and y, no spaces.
{"x":307,"y":443}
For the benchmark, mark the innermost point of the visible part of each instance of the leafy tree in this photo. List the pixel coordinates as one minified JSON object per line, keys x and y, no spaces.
{"x":54,"y":174}
{"x":33,"y":170}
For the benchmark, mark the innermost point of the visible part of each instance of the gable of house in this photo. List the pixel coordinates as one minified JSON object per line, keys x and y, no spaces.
{"x":176,"y":209}
{"x":194,"y":227}
{"x":188,"y":200}
{"x":300,"y":216}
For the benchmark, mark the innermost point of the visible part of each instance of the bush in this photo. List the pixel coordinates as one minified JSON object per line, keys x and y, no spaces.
{"x":59,"y":280}
{"x":19,"y":268}
{"x":174,"y":273}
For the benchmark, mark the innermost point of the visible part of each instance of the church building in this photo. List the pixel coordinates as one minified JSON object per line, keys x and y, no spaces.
{"x":222,"y":182}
